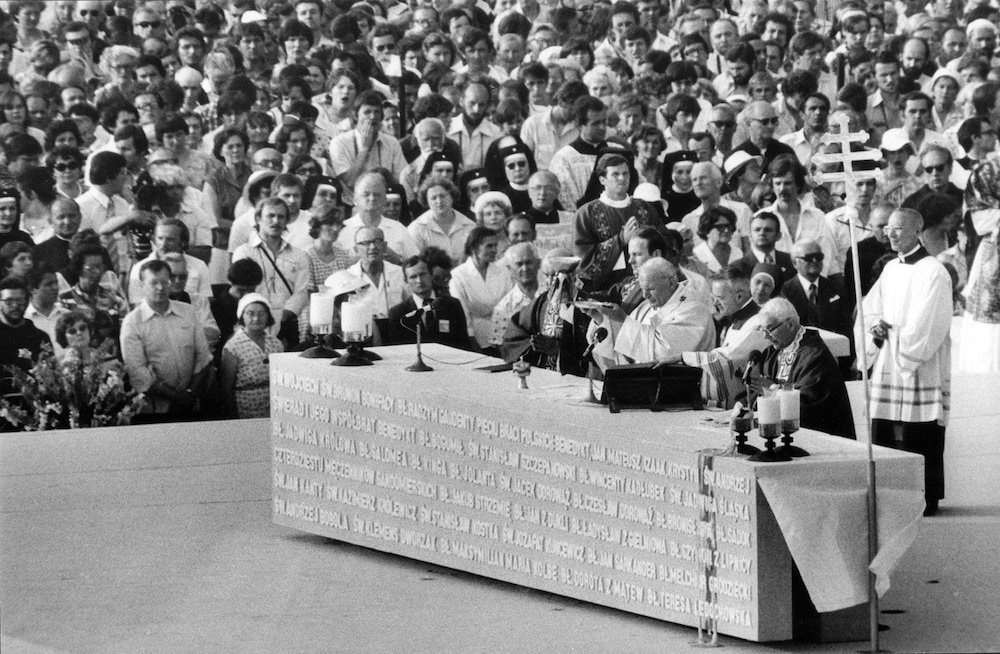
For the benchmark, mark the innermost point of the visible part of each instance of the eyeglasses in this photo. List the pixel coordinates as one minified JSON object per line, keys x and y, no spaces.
{"x":63,"y":167}
{"x":814,"y":257}
{"x":517,"y":164}
{"x":769,"y":331}
{"x":940,"y":168}
{"x":384,"y":48}
{"x":77,"y":329}
{"x":893,"y":230}
{"x":148,"y":24}
{"x":767,"y":121}
{"x":724,"y":124}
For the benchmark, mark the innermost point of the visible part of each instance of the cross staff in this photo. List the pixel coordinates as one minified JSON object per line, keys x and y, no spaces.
{"x":846,"y":157}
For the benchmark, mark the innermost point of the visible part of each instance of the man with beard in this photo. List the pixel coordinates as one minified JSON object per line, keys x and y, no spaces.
{"x":473,"y":131}
{"x":982,"y":37}
{"x":806,"y":140}
{"x":914,"y":63}
{"x":604,"y":226}
{"x":762,"y":120}
{"x":740,"y":67}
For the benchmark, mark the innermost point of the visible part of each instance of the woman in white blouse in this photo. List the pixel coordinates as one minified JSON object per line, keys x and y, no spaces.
{"x":480,"y":282}
{"x":718,"y":249}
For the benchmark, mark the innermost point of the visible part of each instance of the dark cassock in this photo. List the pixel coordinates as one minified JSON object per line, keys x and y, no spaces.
{"x":598,"y":238}
{"x":809,"y":367}
{"x":552,"y":315}
{"x":443,"y":322}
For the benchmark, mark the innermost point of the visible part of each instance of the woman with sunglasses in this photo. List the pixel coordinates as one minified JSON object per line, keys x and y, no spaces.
{"x":66,"y":164}
{"x":717,"y":249}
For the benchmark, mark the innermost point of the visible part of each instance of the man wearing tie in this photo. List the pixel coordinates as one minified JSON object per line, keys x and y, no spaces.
{"x":442,"y":319}
{"x":765,"y":231}
{"x":819,"y":301}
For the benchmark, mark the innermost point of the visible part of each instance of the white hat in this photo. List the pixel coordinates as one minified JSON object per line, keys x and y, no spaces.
{"x":550,"y":55}
{"x":253,"y":17}
{"x":492,"y":197}
{"x":895,"y":139}
{"x":343,"y":281}
{"x":249,"y":299}
{"x":738,"y":159}
{"x":647,"y":192}
{"x":950,"y":74}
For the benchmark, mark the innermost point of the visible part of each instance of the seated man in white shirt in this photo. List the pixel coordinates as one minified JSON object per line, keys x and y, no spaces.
{"x":667,"y":323}
{"x":385,"y":284}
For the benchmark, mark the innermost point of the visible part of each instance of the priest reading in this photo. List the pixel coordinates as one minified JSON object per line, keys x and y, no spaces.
{"x":669,"y":321}
{"x":797,"y":356}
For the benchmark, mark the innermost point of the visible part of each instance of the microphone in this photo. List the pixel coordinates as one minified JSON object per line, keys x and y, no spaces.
{"x":428,"y":306}
{"x":599,"y":335}
{"x":755,"y":357}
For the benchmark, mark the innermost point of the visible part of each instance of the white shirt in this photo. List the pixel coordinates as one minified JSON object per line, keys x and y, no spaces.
{"x":396,"y":237}
{"x":198,"y":281}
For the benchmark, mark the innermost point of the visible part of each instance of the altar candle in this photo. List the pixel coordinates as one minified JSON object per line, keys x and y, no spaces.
{"x":768,"y":410}
{"x":320,"y":312}
{"x":790,"y":402}
{"x":355,"y":317}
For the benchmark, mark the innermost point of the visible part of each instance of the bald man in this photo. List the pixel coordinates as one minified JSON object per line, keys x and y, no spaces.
{"x":668,"y":322}
{"x":706,"y":182}
{"x":369,"y":203}
{"x":761,"y":119}
{"x":907,"y":336}
{"x":386,"y":286}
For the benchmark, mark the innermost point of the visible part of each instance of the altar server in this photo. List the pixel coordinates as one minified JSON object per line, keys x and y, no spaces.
{"x":907,"y":334}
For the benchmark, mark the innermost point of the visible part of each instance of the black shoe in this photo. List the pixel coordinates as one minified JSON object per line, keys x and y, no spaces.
{"x":931,"y":508}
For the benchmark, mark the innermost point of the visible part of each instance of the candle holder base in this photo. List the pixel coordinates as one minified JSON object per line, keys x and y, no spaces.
{"x":789,"y":427}
{"x":355,"y":356}
{"x":319,"y":352}
{"x":418,"y":366}
{"x":770,"y":455}
{"x":769,"y":432}
{"x":746,"y":449}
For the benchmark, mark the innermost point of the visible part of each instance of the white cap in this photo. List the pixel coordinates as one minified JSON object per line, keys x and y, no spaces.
{"x":492,"y":197}
{"x":249,"y":299}
{"x":253,"y":17}
{"x":895,"y":140}
{"x":647,"y":192}
{"x":738,"y":159}
{"x":343,"y":281}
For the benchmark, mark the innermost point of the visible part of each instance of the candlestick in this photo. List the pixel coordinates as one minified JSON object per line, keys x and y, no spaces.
{"x":790,"y":400}
{"x":769,"y":419}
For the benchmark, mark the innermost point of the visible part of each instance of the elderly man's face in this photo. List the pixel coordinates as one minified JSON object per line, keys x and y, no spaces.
{"x":761,"y":289}
{"x":808,"y":260}
{"x":983,"y":42}
{"x":780,"y":332}
{"x":703,"y":182}
{"x":657,"y":288}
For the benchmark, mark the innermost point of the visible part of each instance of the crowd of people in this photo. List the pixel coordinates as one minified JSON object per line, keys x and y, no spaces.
{"x":180,"y":175}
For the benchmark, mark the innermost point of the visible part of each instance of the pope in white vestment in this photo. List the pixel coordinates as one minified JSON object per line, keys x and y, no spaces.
{"x":670,"y":321}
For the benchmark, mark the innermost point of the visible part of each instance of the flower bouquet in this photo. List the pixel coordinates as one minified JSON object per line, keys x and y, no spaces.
{"x":67,"y":393}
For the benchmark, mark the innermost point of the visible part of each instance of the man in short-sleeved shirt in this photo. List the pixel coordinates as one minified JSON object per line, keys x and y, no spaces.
{"x":366,"y":147}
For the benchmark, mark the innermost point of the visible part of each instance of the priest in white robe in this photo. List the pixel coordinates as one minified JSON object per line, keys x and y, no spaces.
{"x":907,"y":336}
{"x":669,"y":321}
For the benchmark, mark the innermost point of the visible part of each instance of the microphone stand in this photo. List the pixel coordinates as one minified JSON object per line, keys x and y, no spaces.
{"x":419,"y":365}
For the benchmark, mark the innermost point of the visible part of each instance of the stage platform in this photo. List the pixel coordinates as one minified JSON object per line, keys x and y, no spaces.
{"x":159,"y":539}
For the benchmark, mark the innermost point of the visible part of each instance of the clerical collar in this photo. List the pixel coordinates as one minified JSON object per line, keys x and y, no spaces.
{"x":617,"y":204}
{"x":914,"y":255}
{"x":519,"y":187}
{"x":583,"y":147}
